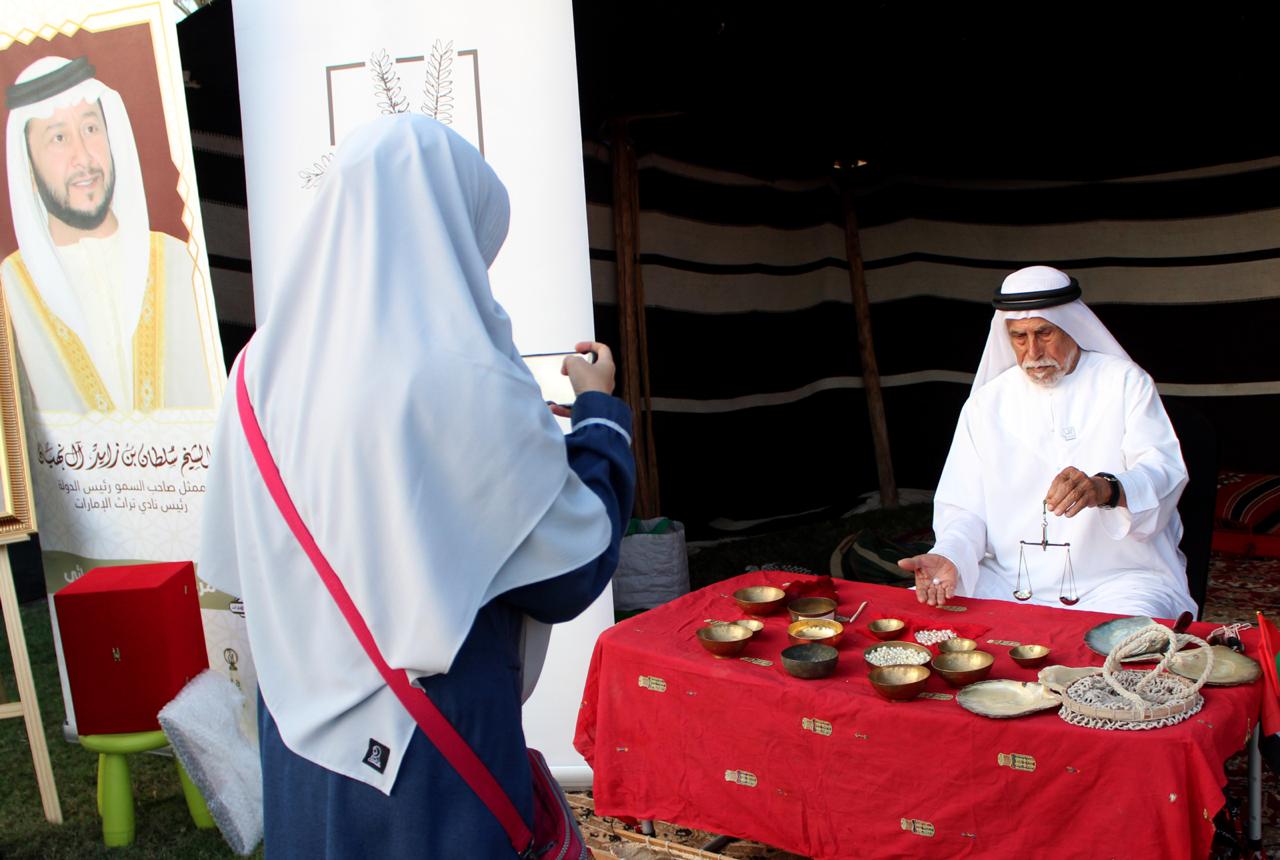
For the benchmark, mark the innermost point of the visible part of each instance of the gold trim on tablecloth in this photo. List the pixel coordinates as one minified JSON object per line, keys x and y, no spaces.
{"x":1016,"y":761}
{"x":916,"y":826}
{"x":815,"y":725}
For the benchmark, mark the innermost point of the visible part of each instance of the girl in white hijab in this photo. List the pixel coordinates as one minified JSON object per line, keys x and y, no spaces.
{"x":421,"y":456}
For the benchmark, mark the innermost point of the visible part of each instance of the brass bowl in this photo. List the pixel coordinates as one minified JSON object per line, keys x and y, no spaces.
{"x":725,"y":640}
{"x":957,"y":644}
{"x":810,"y":660}
{"x":899,"y":683}
{"x":755,"y":625}
{"x":963,"y":667}
{"x":759,"y":599}
{"x":820,"y":630}
{"x":1029,"y":656}
{"x":887,"y":628}
{"x":812,"y":607}
{"x":925,"y":655}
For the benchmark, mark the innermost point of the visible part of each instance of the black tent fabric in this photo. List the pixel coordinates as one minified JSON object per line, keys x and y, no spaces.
{"x":1128,"y":151}
{"x":766,"y":418}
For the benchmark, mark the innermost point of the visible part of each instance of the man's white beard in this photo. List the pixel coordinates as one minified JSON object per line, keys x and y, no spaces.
{"x":1052,"y":377}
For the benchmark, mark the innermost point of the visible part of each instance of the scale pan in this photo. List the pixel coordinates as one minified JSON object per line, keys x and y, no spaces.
{"x":1003,"y":699}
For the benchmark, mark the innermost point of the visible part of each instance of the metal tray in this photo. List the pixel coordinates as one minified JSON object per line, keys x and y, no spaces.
{"x":1003,"y":699}
{"x":1107,"y":635}
{"x":1230,"y":668}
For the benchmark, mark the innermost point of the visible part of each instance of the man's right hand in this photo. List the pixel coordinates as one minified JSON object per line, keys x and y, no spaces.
{"x":936,"y":577}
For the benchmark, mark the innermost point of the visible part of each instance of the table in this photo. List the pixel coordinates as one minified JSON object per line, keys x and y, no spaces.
{"x":828,"y":769}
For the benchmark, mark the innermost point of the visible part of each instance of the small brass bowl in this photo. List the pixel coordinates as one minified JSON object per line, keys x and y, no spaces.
{"x":963,"y":667}
{"x":812,"y":607}
{"x":899,"y":683}
{"x":1029,"y":656}
{"x":821,"y":630}
{"x":725,"y":640}
{"x":887,"y":628}
{"x":959,"y":643}
{"x":755,"y":625}
{"x":759,"y":599}
{"x":810,"y":660}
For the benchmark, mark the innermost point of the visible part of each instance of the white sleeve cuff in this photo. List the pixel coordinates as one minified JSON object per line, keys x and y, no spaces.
{"x":1139,"y":499}
{"x":1116,"y":522}
{"x":959,"y":553}
{"x":1139,"y":494}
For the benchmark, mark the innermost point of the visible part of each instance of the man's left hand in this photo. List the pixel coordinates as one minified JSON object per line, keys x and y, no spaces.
{"x":936,"y":577}
{"x":1072,"y":491}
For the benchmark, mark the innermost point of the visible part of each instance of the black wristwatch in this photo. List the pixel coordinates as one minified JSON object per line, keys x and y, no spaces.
{"x":1114,"y":483}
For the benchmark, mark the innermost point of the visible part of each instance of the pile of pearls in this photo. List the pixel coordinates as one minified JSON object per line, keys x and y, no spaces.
{"x":894,"y":656}
{"x":933,"y":637}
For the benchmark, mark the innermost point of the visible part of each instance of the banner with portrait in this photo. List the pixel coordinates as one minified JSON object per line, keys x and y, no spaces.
{"x":105,"y":278}
{"x":501,"y":73}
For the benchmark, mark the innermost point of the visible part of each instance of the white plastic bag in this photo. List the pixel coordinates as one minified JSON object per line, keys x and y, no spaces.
{"x":202,"y":724}
{"x":653,"y":568}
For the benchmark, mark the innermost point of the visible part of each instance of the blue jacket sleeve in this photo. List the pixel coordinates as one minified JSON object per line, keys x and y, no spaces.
{"x":599,"y":450}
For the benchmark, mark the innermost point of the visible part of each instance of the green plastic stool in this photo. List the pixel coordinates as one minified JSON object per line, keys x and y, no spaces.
{"x":115,"y":790}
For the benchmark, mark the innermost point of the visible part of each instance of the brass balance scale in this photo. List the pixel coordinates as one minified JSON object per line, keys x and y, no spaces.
{"x":1067,"y":593}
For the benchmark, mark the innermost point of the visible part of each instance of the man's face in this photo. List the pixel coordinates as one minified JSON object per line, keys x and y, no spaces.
{"x":71,"y":160}
{"x":1044,"y":351}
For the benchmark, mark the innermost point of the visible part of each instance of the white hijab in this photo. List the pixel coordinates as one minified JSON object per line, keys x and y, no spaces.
{"x":411,"y":437}
{"x":1074,"y":318}
{"x":31,"y":218}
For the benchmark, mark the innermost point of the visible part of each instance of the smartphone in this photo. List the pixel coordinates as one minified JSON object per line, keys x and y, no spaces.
{"x":555,"y":386}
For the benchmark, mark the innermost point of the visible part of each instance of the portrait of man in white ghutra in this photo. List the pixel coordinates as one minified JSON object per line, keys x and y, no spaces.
{"x":103,"y":305}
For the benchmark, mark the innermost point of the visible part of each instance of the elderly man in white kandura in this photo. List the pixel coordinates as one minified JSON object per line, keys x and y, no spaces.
{"x":1064,"y":473}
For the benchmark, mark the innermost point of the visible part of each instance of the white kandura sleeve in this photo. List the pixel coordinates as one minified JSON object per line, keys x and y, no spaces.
{"x":959,"y":507}
{"x":1154,"y":474}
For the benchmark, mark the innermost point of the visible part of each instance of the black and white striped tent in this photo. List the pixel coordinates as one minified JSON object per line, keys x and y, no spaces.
{"x":1130,"y":153}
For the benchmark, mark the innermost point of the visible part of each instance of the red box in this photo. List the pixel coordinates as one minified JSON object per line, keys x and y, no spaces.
{"x":131,"y":639}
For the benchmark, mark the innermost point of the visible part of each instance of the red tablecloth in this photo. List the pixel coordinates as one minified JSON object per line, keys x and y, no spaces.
{"x":828,"y":769}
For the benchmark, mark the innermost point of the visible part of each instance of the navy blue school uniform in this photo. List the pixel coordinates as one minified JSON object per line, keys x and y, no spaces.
{"x":311,"y":812}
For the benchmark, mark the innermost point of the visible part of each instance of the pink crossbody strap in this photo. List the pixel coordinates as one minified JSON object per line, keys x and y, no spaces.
{"x":424,"y":712}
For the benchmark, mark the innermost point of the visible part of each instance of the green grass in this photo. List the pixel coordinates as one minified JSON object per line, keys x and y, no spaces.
{"x":164,"y":828}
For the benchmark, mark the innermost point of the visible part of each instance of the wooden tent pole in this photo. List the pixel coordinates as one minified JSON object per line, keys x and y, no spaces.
{"x":633,"y":350}
{"x":866,"y":348}
{"x":26,"y":707}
